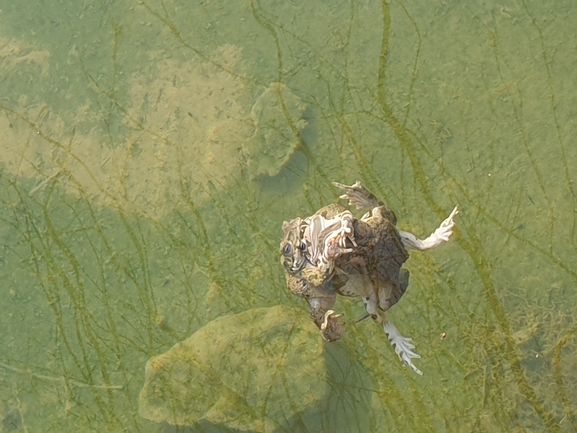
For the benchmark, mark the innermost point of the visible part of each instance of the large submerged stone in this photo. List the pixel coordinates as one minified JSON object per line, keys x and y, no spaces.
{"x":253,"y":371}
{"x":277,"y":116}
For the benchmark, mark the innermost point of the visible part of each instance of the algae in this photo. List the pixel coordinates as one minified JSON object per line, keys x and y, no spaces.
{"x":132,"y":217}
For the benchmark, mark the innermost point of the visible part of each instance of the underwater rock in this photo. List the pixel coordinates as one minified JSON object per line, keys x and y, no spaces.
{"x":277,"y":116}
{"x":251,"y":371}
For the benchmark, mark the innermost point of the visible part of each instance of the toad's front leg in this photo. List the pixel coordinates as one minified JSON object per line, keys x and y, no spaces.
{"x":325,"y":318}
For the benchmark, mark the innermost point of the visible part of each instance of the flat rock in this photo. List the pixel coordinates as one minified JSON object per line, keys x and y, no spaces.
{"x":251,"y":371}
{"x":277,"y":116}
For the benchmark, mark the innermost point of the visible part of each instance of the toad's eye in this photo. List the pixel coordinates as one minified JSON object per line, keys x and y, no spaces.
{"x":287,"y":249}
{"x":302,"y":246}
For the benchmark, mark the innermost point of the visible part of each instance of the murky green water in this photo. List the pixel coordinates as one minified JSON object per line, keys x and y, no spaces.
{"x":133,"y":211}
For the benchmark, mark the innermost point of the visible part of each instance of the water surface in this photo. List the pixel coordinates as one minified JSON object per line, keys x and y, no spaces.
{"x":131,"y":215}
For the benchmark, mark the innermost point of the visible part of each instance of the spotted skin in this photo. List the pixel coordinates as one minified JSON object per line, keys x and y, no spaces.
{"x":333,"y":253}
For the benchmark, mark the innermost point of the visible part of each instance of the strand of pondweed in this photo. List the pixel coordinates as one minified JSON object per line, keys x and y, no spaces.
{"x":473,"y":248}
{"x":510,"y":233}
{"x":76,"y":289}
{"x":411,"y":411}
{"x":362,"y":161}
{"x":53,"y":278}
{"x":66,"y":380}
{"x":567,"y":401}
{"x":415,"y":70}
{"x":178,"y":35}
{"x":553,"y":105}
{"x":517,"y":113}
{"x":35,"y":128}
{"x":144,"y":288}
{"x":303,"y":146}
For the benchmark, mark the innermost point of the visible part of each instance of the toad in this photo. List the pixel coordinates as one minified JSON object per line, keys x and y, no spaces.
{"x":333,"y":253}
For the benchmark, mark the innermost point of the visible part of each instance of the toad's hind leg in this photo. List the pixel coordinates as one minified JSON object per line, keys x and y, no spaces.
{"x":358,"y":195}
{"x":403,"y":347}
{"x":440,"y":235}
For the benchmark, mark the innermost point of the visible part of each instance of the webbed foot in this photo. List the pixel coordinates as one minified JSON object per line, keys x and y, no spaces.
{"x":442,"y":234}
{"x":403,"y":347}
{"x":358,"y":195}
{"x":331,"y":328}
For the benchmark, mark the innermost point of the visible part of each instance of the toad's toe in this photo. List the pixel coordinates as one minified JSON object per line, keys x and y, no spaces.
{"x":403,"y":346}
{"x":331,"y":328}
